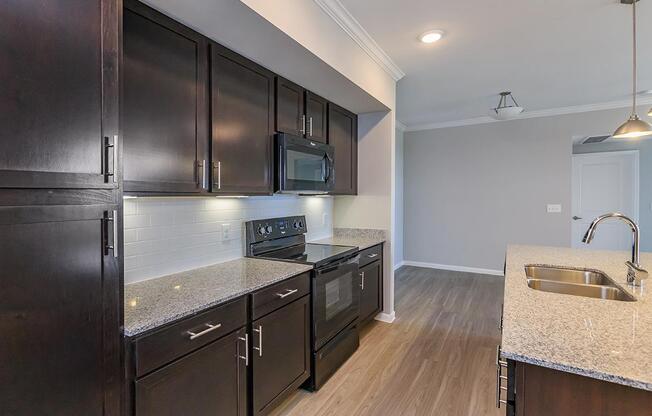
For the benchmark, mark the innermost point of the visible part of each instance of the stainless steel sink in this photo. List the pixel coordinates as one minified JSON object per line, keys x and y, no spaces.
{"x":568,"y":275}
{"x":576,"y":282}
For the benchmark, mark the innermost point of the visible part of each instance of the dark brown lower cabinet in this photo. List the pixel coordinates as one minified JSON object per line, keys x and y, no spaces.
{"x":371,"y":294}
{"x":540,"y":391}
{"x":281,"y":354}
{"x":210,"y":381}
{"x":60,"y":311}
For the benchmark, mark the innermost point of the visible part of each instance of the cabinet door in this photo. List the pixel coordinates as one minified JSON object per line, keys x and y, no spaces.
{"x":290,"y":115}
{"x":165,"y":105}
{"x":58,"y":93}
{"x":208,"y":382}
{"x":281,"y":354}
{"x":60,"y":312}
{"x":343,"y":136}
{"x":242,"y":95}
{"x":317,"y":117}
{"x":371,"y":292}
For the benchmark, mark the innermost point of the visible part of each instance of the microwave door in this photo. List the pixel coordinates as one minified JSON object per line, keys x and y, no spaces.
{"x":305,"y":170}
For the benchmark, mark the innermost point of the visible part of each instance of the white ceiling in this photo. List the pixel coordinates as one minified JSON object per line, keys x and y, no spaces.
{"x":550,"y":53}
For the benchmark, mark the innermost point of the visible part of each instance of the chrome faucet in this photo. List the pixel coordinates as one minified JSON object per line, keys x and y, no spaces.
{"x":635,"y":273}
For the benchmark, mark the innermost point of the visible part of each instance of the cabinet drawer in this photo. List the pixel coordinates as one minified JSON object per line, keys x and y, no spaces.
{"x":173,"y":341}
{"x":273,"y":297}
{"x":371,"y":254}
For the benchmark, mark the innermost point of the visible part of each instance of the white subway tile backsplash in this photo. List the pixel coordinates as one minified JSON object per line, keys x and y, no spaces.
{"x":169,"y":235}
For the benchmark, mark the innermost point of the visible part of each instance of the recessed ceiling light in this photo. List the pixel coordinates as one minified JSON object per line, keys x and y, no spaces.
{"x":431,"y":36}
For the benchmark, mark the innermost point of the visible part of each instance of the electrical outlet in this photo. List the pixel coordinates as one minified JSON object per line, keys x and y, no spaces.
{"x":554,"y":208}
{"x":226,"y":231}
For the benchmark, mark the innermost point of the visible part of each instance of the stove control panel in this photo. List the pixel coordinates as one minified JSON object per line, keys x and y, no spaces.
{"x":272,"y":228}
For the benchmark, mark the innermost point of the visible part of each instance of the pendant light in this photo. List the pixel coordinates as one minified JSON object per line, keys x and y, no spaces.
{"x":634,"y":127}
{"x":506,"y":111}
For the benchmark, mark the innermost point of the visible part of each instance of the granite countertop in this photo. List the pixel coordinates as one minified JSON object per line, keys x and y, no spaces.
{"x":357,"y":237}
{"x":152,"y":303}
{"x":604,"y":339}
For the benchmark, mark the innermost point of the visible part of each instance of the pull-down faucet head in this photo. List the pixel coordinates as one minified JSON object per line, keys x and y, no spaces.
{"x":635,"y":273}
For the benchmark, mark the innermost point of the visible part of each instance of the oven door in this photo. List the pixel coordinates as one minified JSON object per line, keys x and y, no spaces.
{"x":336,"y":299}
{"x":304,"y":166}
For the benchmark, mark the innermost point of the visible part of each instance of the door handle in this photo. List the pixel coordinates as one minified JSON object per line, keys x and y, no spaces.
{"x":259,"y":348}
{"x":303,"y":124}
{"x":113,"y":173}
{"x":310,"y":126}
{"x":362,"y":280}
{"x":246,"y":356}
{"x":576,"y":218}
{"x":114,"y":244}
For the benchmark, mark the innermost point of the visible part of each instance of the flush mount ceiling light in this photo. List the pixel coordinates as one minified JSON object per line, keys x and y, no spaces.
{"x":634,"y":127}
{"x":505,"y":110}
{"x":431,"y":36}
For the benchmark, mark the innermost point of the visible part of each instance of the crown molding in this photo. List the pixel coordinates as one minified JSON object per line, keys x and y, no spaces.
{"x":336,"y":10}
{"x":560,"y":111}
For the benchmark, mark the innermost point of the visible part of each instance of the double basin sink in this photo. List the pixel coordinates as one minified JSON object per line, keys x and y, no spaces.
{"x":577,"y":282}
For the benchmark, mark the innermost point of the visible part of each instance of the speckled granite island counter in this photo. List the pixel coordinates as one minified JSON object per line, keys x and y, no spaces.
{"x":603,"y":339}
{"x":156,"y":302}
{"x":362,"y":238}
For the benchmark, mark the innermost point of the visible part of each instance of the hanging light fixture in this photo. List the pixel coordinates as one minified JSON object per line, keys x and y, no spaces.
{"x":634,"y":127}
{"x":506,"y":111}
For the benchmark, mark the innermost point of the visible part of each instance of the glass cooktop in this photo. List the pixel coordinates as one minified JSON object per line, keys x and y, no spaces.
{"x":311,"y":253}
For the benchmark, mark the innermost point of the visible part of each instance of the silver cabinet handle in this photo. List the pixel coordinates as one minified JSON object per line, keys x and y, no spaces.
{"x":211,"y":328}
{"x":108,"y":145}
{"x":204,"y":177}
{"x":310,"y":125}
{"x":246,"y":356}
{"x":362,"y":283}
{"x":287,"y":293}
{"x":372,"y":256}
{"x":303,"y":124}
{"x":115,"y":243}
{"x":218,"y":166}
{"x":499,"y":378}
{"x":259,"y":348}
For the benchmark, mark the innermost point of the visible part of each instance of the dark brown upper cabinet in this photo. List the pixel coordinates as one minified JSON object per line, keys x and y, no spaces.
{"x":290,"y":106}
{"x":343,"y":136}
{"x":316,"y":118}
{"x":242,"y":117}
{"x":300,"y":112}
{"x":165,"y":104}
{"x":59,"y":93}
{"x":60,"y":311}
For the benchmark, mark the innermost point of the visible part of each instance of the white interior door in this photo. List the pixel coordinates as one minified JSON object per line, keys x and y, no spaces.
{"x":604,"y":182}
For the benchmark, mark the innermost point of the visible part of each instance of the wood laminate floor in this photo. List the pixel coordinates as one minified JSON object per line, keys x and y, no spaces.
{"x":437,"y":358}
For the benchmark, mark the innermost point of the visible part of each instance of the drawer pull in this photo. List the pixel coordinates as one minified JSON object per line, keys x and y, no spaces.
{"x":372,"y":256}
{"x":287,"y":293}
{"x":211,"y":328}
{"x":362,"y":280}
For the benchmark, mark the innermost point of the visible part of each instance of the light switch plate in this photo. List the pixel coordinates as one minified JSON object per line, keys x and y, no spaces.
{"x":554,"y":208}
{"x":226,"y":231}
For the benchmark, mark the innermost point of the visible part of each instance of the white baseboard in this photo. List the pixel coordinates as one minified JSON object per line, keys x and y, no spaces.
{"x":453,"y":268}
{"x":399,"y":265}
{"x":386,"y":317}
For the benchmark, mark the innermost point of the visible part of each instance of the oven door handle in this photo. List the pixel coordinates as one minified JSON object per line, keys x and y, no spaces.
{"x":348,"y":262}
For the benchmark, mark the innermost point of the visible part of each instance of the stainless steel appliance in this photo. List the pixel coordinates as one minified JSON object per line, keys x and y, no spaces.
{"x":335,"y":288}
{"x":303,"y":166}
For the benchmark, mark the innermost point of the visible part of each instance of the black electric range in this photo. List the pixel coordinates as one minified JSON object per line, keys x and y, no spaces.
{"x":335,"y":288}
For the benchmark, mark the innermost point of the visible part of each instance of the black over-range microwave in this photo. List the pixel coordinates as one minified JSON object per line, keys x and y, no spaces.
{"x":303,"y":166}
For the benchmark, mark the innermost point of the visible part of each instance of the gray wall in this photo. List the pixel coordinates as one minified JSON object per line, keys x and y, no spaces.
{"x":644,"y":148}
{"x":472,"y":190}
{"x":398,"y":197}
